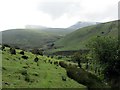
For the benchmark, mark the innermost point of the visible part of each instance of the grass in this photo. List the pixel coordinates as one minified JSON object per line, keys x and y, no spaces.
{"x":20,"y":73}
{"x":25,"y":38}
{"x":77,"y":39}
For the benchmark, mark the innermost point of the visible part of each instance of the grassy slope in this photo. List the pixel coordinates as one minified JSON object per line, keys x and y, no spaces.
{"x":77,"y":39}
{"x":48,"y":75}
{"x":27,"y":38}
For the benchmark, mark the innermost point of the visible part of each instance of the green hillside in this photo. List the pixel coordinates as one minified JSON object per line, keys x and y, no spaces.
{"x":77,"y":39}
{"x":27,"y":38}
{"x":26,"y":73}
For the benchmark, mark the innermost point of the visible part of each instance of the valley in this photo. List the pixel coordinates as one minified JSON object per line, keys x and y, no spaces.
{"x":42,"y":57}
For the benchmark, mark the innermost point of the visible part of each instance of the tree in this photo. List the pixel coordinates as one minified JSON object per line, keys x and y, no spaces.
{"x":37,"y":52}
{"x":105,"y":50}
{"x":77,"y":58}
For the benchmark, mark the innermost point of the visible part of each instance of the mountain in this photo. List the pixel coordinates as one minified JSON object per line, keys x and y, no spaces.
{"x":61,"y":31}
{"x":77,"y":39}
{"x":79,"y":25}
{"x":27,"y":38}
{"x":56,"y":31}
{"x":39,"y":36}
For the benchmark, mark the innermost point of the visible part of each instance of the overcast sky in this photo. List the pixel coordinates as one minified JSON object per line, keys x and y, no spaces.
{"x":55,"y":13}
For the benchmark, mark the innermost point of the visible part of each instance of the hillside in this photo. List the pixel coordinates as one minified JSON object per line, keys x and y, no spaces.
{"x":27,"y":38}
{"x":18,"y":72}
{"x":61,"y":31}
{"x":36,"y":36}
{"x":77,"y":39}
{"x":56,"y":31}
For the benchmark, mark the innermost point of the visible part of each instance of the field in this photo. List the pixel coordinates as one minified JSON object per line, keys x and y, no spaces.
{"x":21,"y":73}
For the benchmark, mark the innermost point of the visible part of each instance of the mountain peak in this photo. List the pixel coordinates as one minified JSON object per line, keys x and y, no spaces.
{"x":81,"y":24}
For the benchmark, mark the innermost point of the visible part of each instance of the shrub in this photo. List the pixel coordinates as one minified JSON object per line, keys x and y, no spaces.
{"x":3,"y":68}
{"x":26,"y":67}
{"x":77,"y":58}
{"x":45,"y":61}
{"x":56,"y":62}
{"x":12,"y":51}
{"x":51,"y":56}
{"x":37,"y":51}
{"x":25,"y":57}
{"x":35,"y":74}
{"x":105,"y":51}
{"x":85,"y":78}
{"x":22,"y":52}
{"x":36,"y":59}
{"x":3,"y":47}
{"x":63,"y":64}
{"x":6,"y":45}
{"x":24,"y":72}
{"x":50,"y":62}
{"x":102,"y":32}
{"x":27,"y":78}
{"x":63,"y":78}
{"x":59,"y":57}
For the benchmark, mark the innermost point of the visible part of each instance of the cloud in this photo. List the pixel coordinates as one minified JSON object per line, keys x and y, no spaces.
{"x":55,"y":13}
{"x":57,"y":9}
{"x":86,"y":10}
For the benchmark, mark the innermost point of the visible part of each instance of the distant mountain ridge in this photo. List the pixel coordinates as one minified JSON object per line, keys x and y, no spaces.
{"x":79,"y":25}
{"x":61,"y":31}
{"x":35,"y":35}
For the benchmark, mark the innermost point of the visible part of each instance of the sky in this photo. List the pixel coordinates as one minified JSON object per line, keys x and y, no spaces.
{"x":55,"y":13}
